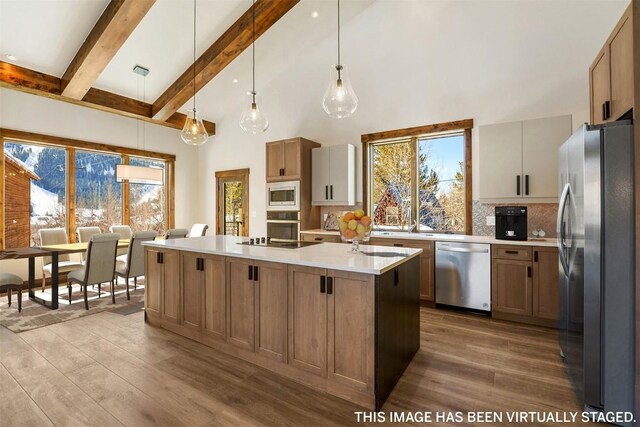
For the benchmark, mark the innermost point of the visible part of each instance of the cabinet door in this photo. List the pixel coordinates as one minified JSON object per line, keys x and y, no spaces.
{"x":541,"y":139}
{"x":214,"y":321}
{"x":427,"y":269}
{"x":511,"y":287}
{"x":291,"y":159}
{"x":351,"y":329}
{"x":600,"y":86}
{"x":240,"y":303}
{"x":501,"y":160}
{"x":320,"y":158}
{"x":621,"y":60}
{"x":171,"y":286}
{"x":546,"y":292}
{"x":307,"y":320}
{"x":271,"y":310}
{"x":192,"y":281}
{"x":341,"y":174}
{"x":153,"y":283}
{"x":274,"y":161}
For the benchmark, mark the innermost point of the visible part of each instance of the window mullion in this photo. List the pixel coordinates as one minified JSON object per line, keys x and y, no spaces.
{"x":70,"y":197}
{"x":414,"y":181}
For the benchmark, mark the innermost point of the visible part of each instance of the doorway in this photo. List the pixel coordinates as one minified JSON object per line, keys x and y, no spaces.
{"x":232,"y":202}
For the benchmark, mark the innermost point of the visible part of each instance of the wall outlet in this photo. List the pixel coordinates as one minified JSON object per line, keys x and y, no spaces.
{"x":491,"y":220}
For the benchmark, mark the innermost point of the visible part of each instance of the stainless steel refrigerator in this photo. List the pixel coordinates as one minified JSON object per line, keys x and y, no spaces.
{"x":596,"y":239}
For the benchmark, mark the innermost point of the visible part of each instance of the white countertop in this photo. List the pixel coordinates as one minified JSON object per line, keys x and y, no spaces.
{"x":462,"y":238}
{"x":336,"y":256}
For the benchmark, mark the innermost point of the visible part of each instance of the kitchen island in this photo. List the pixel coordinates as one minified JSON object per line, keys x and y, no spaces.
{"x":347,"y":324}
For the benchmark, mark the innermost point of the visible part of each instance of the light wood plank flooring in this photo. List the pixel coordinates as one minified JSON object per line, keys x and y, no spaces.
{"x":108,"y":369}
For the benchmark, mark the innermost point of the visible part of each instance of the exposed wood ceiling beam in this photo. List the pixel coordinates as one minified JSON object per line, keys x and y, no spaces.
{"x":34,"y":82}
{"x":114,"y":27}
{"x":220,"y":54}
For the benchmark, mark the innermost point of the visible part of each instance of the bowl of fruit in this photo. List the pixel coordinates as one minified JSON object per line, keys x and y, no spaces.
{"x":355,"y":227}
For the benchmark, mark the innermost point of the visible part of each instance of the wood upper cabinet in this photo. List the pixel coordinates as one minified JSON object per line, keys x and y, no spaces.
{"x":611,"y":74}
{"x":511,"y":287}
{"x":271,"y":309}
{"x":287,"y":159}
{"x":333,"y":175}
{"x":546,"y":292}
{"x":519,"y":160}
{"x":171,"y":294}
{"x":351,"y":329}
{"x":308,"y":319}
{"x":214,"y":298}
{"x":240,"y":303}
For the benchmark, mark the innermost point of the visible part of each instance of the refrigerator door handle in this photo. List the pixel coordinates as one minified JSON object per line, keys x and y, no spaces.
{"x":560,"y":229}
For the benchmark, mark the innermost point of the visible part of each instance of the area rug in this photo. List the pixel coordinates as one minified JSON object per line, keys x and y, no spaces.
{"x":35,"y":316}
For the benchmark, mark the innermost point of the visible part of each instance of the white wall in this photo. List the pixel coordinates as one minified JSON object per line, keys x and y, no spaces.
{"x":417,"y":62}
{"x":31,"y":113}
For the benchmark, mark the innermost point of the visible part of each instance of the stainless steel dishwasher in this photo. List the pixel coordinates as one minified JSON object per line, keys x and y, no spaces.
{"x":463,"y":275}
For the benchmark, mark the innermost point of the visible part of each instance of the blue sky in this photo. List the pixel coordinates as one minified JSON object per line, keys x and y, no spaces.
{"x":444,"y":155}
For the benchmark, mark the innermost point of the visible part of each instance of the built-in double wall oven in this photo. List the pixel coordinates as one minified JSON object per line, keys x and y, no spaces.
{"x":283,"y":226}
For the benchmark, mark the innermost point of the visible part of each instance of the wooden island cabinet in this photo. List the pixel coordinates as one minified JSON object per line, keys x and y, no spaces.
{"x":348,"y":326}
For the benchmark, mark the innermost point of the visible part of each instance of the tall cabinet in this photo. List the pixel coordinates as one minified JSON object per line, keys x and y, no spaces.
{"x":519,"y":160}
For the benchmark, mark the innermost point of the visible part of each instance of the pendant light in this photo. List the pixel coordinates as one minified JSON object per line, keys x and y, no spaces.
{"x":194,"y":132}
{"x":253,"y":118}
{"x":339,"y":100}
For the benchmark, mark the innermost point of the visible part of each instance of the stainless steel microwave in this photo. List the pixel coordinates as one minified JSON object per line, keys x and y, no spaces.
{"x":283,"y":196}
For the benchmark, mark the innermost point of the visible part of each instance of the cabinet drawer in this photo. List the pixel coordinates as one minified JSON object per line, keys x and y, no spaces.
{"x":522,"y":253}
{"x":320,"y":238}
{"x":426,"y":245}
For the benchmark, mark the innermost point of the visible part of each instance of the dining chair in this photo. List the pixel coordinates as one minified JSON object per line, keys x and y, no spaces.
{"x":11,"y":282}
{"x":100,"y":266}
{"x":132,"y":264}
{"x":84,"y":234}
{"x":198,"y":230}
{"x":176,"y":233}
{"x":56,"y":236}
{"x":125,"y":233}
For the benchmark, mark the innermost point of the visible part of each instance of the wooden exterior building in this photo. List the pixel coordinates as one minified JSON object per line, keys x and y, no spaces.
{"x":17,"y":221}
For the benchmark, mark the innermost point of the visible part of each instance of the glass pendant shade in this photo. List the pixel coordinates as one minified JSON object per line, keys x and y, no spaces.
{"x":253,"y":118}
{"x":339,"y":100}
{"x":194,"y":132}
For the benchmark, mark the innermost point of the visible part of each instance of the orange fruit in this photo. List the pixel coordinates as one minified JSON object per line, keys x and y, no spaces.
{"x":348,"y":217}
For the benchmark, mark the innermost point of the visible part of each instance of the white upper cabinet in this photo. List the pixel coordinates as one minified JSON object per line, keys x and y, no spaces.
{"x":333,"y":175}
{"x":519,"y":160}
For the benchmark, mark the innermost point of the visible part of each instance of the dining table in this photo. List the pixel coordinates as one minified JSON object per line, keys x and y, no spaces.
{"x":53,"y":251}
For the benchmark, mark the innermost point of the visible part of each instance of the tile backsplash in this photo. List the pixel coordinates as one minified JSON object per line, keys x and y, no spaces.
{"x":540,"y":216}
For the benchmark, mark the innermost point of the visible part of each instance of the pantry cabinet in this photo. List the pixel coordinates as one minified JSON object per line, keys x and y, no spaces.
{"x":333,"y":175}
{"x":288,"y":159}
{"x":611,"y":74}
{"x":519,"y":160}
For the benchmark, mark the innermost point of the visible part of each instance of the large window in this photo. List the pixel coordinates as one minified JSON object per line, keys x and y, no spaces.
{"x":52,"y":182}
{"x":418,"y":179}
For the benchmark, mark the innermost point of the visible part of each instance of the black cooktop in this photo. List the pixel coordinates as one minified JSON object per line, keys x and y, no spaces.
{"x":284,"y":245}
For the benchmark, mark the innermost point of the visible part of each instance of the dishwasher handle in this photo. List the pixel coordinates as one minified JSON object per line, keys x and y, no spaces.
{"x":463,"y":250}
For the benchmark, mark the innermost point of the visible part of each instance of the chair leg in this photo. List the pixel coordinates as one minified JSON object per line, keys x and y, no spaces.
{"x":135,"y":283}
{"x":69,"y":289}
{"x":19,"y":299}
{"x":113,"y":292}
{"x":9,"y":296}
{"x":99,"y":290}
{"x":126,"y":279}
{"x":86,"y":301}
{"x":44,"y":279}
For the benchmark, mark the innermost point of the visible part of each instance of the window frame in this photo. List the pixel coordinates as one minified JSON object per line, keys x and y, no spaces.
{"x":70,"y":146}
{"x":413,"y":134}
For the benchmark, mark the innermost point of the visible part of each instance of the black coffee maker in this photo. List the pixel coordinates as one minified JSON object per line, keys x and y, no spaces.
{"x":511,"y":222}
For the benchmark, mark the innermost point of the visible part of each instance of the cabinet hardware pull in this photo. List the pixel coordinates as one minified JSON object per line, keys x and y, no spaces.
{"x":607,"y":110}
{"x":251,"y":273}
{"x":331,"y":191}
{"x":197,"y":264}
{"x":322,"y":284}
{"x":517,"y":185}
{"x":329,"y":285}
{"x":255,"y":273}
{"x":318,"y":239}
{"x":159,"y":258}
{"x":526,"y":185}
{"x":511,"y":252}
{"x":326,"y":192}
{"x":398,"y":244}
{"x":528,"y":271}
{"x":396,"y":277}
{"x":201,"y":264}
{"x":535,"y":256}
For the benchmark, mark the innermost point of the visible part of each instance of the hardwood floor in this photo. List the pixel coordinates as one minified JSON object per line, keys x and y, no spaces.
{"x":109,"y":369}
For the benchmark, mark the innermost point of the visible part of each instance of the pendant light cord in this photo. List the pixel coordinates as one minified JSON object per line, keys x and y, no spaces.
{"x":253,"y":50}
{"x":339,"y":33}
{"x":194,"y":56}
